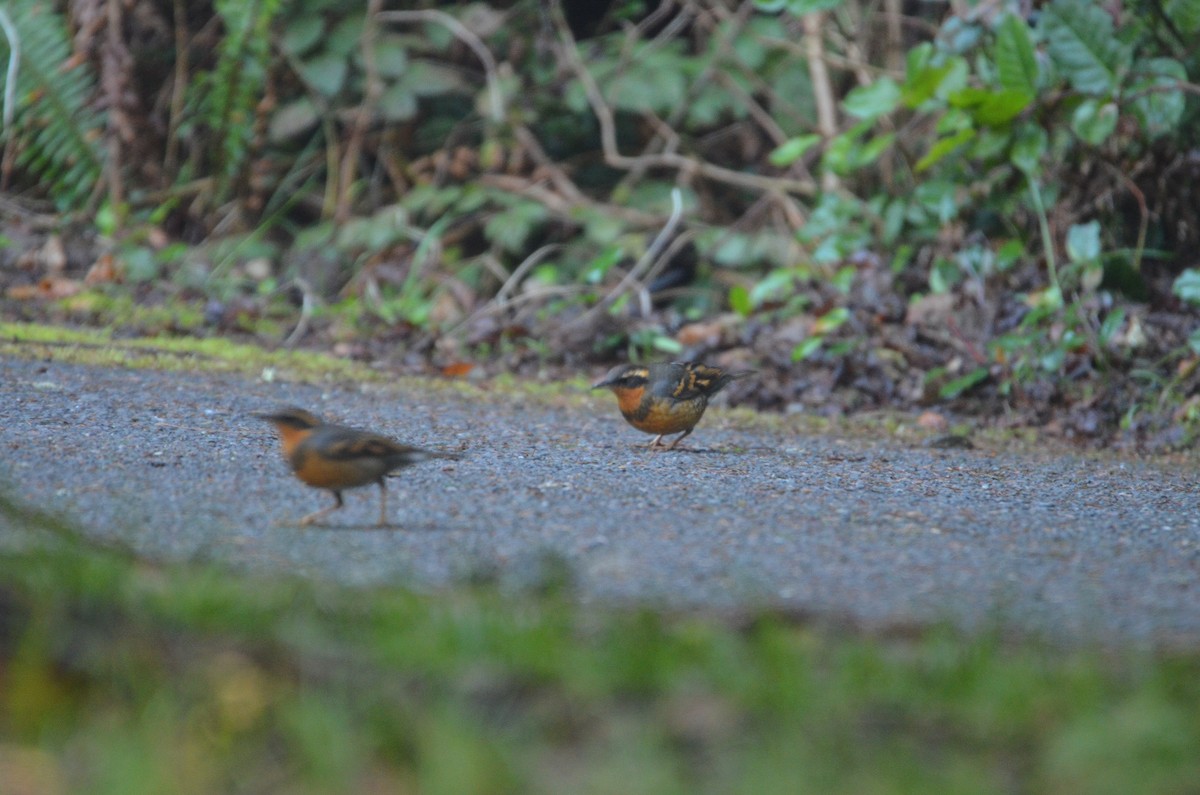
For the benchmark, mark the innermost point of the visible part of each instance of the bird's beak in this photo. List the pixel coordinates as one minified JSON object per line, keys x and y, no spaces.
{"x":602,"y":384}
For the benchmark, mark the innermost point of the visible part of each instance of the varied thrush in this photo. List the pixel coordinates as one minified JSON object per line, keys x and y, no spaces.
{"x":667,"y":397}
{"x":336,"y":458}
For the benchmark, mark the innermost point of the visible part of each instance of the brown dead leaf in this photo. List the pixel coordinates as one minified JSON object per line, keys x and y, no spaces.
{"x":157,"y":238}
{"x":103,"y":271}
{"x":930,"y":310}
{"x":708,"y":333}
{"x":54,"y":255}
{"x":933,"y":421}
{"x":49,"y":288}
{"x":457,"y":369}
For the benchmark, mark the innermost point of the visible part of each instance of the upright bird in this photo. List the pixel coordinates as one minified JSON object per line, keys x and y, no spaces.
{"x":667,"y":397}
{"x":334,"y":457}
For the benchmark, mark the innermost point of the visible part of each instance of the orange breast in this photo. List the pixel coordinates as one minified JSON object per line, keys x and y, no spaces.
{"x":290,"y":438}
{"x":660,"y":415}
{"x":629,"y":400}
{"x":325,"y":473}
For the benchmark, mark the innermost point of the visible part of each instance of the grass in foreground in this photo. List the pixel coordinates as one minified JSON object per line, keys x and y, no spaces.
{"x":122,"y":676}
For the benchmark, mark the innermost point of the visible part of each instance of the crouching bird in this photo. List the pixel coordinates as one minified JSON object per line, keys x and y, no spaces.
{"x":334,"y":457}
{"x":667,"y":397}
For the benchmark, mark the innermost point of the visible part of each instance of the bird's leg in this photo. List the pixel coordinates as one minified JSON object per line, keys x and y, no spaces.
{"x":321,"y":514}
{"x":382,"y":503}
{"x":656,"y":442}
{"x":679,"y":439}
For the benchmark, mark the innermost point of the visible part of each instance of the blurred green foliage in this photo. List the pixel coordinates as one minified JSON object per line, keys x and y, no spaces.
{"x":123,"y":675}
{"x":487,"y":172}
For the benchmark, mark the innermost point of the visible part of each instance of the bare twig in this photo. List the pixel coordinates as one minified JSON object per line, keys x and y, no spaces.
{"x":14,"y":65}
{"x":518,"y":274}
{"x":565,"y":207}
{"x":115,"y":73}
{"x":1143,"y":211}
{"x":559,"y":177}
{"x":308,"y":302}
{"x":178,"y":87}
{"x":895,"y":36}
{"x":822,"y":91}
{"x":681,"y":240}
{"x":644,"y":262}
{"x":495,"y":96}
{"x":362,"y":119}
{"x":10,"y":91}
{"x":496,"y":307}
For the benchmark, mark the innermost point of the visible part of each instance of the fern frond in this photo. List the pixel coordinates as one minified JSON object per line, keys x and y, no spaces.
{"x":224,"y":101}
{"x":55,"y":136}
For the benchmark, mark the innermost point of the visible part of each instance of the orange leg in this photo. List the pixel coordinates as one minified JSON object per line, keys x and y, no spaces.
{"x":382,"y":504}
{"x":321,"y":514}
{"x":657,"y":444}
{"x":679,"y":439}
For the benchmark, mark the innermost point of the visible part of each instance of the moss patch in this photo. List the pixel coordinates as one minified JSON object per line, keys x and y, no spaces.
{"x":99,"y":347}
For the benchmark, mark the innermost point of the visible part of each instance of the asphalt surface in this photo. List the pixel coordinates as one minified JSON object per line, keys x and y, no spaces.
{"x":1091,"y":548}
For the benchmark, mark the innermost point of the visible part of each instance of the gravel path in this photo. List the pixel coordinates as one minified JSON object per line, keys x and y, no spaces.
{"x":1067,"y":546}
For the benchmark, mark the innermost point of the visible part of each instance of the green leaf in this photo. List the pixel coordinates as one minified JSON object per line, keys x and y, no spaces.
{"x":802,"y":7}
{"x":1015,"y":61}
{"x":510,"y":228}
{"x":938,"y":196}
{"x":139,"y":264}
{"x":380,"y":231}
{"x":872,"y":149}
{"x":843,"y":281}
{"x":325,"y":74}
{"x":1184,"y":14}
{"x":831,"y":320}
{"x":601,"y":265}
{"x":841,"y":150}
{"x":1009,"y":254}
{"x":1080,"y":40}
{"x":991,"y":108}
{"x":1094,"y":121}
{"x":654,"y":80}
{"x":667,"y":345}
{"x":777,"y":283}
{"x":991,"y":144}
{"x":807,"y":348}
{"x":427,"y":79}
{"x":398,"y":103}
{"x":874,"y":100}
{"x":1111,"y":325}
{"x":1194,"y":342}
{"x":293,"y":119}
{"x":944,"y":147}
{"x":1187,"y":286}
{"x":958,"y":35}
{"x":1083,"y":242}
{"x":301,"y":34}
{"x":391,"y":56}
{"x":953,"y":389}
{"x":346,"y":37}
{"x":1028,"y":149}
{"x":1159,"y":110}
{"x":793,"y":149}
{"x":930,"y":75}
{"x":739,"y":300}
